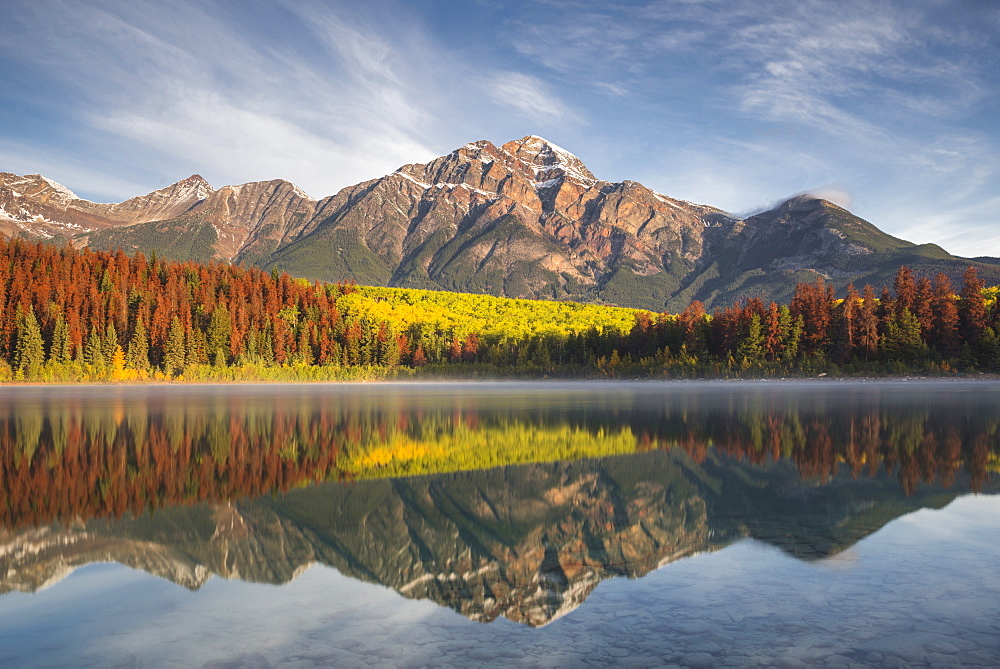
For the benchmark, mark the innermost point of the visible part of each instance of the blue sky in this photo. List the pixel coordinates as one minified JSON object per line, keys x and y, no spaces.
{"x":887,"y":108}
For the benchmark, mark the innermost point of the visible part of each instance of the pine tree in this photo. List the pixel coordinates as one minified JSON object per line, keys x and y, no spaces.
{"x":902,"y":340}
{"x":751,"y":349}
{"x":196,"y":347}
{"x":470,"y":347}
{"x":794,"y":338}
{"x":847,"y":325}
{"x":972,"y":308}
{"x":944,"y":332}
{"x":922,"y":306}
{"x":109,"y":342}
{"x":455,"y":350}
{"x":220,"y":328}
{"x":29,"y":353}
{"x":138,"y":347}
{"x":906,"y":290}
{"x":60,"y":351}
{"x":174,"y":349}
{"x":93,"y":354}
{"x":868,"y":322}
{"x":304,"y":354}
{"x":419,"y":358}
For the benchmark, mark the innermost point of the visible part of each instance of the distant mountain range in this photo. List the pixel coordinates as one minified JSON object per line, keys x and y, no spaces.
{"x":525,"y":219}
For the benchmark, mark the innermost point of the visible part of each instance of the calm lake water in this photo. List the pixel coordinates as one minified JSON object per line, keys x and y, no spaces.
{"x":531,"y":524}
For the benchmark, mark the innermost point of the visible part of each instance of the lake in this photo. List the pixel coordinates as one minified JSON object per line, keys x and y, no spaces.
{"x":819,"y":523}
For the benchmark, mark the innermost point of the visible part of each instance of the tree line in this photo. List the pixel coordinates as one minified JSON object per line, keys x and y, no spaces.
{"x":71,"y":314}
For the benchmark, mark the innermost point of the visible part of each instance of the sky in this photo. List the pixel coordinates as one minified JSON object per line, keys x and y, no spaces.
{"x":888,"y":108}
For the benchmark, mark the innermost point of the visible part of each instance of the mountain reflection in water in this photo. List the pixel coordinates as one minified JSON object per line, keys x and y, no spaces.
{"x":491,"y":499}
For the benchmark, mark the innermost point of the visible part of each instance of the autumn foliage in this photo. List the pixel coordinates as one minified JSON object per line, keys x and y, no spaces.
{"x":72,"y":314}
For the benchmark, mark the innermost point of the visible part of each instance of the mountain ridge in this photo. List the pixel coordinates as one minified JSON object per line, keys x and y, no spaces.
{"x":523,"y":219}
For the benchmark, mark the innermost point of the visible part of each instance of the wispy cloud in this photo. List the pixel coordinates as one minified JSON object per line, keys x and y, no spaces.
{"x":967,"y":230}
{"x":339,"y":101}
{"x":529,"y":96}
{"x":729,"y":103}
{"x":884,"y":99}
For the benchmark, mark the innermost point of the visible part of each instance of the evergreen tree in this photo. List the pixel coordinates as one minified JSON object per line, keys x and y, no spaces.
{"x":906,"y":290}
{"x":846,"y":334}
{"x":868,"y":323}
{"x":944,"y":331}
{"x":138,"y":347}
{"x":60,"y":351}
{"x":109,"y":342}
{"x":922,"y":306}
{"x":775,"y":335}
{"x":174,"y":349}
{"x":751,"y":349}
{"x":220,"y":329}
{"x":419,"y":358}
{"x":93,"y":354}
{"x":794,"y":338}
{"x":972,"y":308}
{"x":196,"y":347}
{"x":388,"y":346}
{"x":455,"y":350}
{"x":304,"y":352}
{"x":29,"y":353}
{"x":902,"y":340}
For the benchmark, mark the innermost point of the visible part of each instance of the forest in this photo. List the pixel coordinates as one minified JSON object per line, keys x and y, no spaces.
{"x":72,"y":315}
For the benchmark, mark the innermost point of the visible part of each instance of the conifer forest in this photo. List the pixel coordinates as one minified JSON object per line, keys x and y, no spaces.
{"x":80,"y":315}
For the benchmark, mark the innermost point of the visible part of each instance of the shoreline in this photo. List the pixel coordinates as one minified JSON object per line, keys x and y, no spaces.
{"x":954,"y":378}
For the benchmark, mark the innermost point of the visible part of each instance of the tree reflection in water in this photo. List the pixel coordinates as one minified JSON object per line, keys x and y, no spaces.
{"x":72,"y":458}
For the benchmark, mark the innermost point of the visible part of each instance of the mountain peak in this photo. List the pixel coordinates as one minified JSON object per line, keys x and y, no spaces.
{"x":548,"y":160}
{"x":38,"y":187}
{"x":59,"y":188}
{"x":195,"y":187}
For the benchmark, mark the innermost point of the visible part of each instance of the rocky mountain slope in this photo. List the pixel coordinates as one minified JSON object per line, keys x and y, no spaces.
{"x":529,"y":543}
{"x":525,"y":219}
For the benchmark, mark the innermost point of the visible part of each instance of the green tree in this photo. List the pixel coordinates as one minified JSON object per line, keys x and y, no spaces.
{"x":173,"y":349}
{"x":109,"y":342}
{"x":751,"y":349}
{"x":794,"y":330}
{"x":138,"y":347}
{"x":196,"y":347}
{"x":29,"y":353}
{"x":220,"y":327}
{"x":93,"y":353}
{"x":60,"y":351}
{"x":902,"y":340}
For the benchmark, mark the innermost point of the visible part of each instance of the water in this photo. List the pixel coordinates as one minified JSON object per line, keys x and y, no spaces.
{"x":547,"y":524}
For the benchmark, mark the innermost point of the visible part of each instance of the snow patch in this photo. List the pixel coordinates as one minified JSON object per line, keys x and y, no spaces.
{"x":59,"y":188}
{"x":422,"y":184}
{"x":548,"y":184}
{"x":665,"y":200}
{"x":445,"y":184}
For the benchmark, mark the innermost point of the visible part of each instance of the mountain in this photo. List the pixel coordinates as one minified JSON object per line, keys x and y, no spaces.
{"x":528,"y":543}
{"x":525,"y":219}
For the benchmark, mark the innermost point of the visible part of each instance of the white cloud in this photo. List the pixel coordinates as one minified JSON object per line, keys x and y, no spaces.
{"x":529,"y":96}
{"x":968,"y":231}
{"x":186,"y":89}
{"x":731,"y":104}
{"x":839,"y":194}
